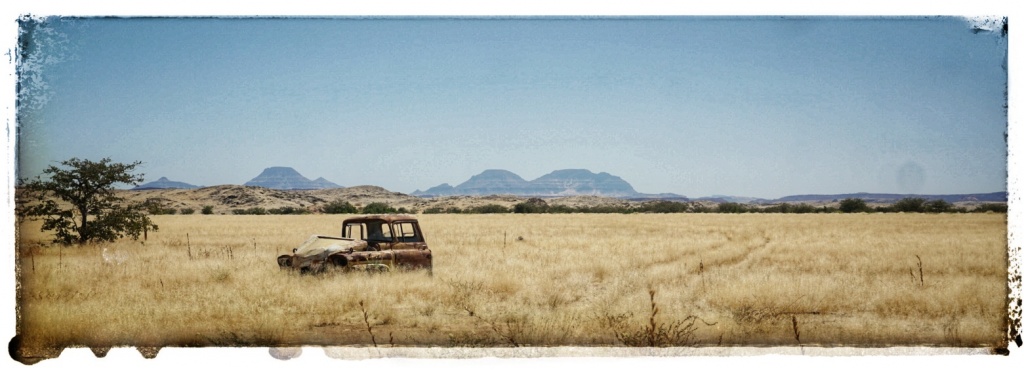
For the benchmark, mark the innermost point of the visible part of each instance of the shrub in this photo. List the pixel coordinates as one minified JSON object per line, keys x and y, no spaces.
{"x":531,"y":206}
{"x":732,"y":207}
{"x":993,"y":207}
{"x":250,"y":211}
{"x":937,"y":206}
{"x":433,"y":210}
{"x":909,"y":205}
{"x":803,"y":209}
{"x":605,"y":209}
{"x":288,"y":210}
{"x":378,"y":208}
{"x":853,"y":205}
{"x":339,"y":207}
{"x":488,"y":209}
{"x":188,"y":211}
{"x":663,"y":207}
{"x":156,"y":207}
{"x":207,"y":210}
{"x":780,"y":208}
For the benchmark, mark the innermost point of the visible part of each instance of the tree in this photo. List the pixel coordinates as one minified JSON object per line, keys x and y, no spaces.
{"x":95,"y":212}
{"x":853,"y":205}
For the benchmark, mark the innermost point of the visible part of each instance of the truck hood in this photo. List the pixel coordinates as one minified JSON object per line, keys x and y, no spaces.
{"x":325,"y":245}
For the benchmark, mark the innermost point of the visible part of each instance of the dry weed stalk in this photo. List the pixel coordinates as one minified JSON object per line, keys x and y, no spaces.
{"x":796,"y":330}
{"x":920,"y":269}
{"x":366,"y":319}
{"x":655,"y":333}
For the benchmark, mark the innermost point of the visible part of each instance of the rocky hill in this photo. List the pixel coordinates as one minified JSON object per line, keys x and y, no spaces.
{"x":164,"y":183}
{"x":280,"y":177}
{"x":558,"y":183}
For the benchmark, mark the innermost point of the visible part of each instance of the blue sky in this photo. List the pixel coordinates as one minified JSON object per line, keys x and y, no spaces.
{"x":763,"y":107}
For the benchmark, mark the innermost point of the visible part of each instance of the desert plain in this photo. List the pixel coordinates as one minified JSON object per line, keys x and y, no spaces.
{"x":511,"y":280}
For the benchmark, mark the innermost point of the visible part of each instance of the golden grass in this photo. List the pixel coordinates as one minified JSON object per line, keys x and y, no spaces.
{"x":541,"y":280}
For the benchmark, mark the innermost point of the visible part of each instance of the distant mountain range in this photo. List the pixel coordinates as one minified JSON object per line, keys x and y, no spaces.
{"x":558,"y":183}
{"x":164,"y":183}
{"x":891,"y":197}
{"x":285,"y":178}
{"x":563,"y":183}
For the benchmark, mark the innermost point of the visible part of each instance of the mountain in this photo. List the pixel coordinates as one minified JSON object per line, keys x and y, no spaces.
{"x":164,"y":183}
{"x":280,"y":177}
{"x":571,"y":182}
{"x":325,"y":184}
{"x":567,"y":182}
{"x":444,"y":189}
{"x":891,"y":197}
{"x":492,"y":182}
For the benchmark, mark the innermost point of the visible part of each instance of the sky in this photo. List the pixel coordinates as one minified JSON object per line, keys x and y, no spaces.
{"x":698,"y":106}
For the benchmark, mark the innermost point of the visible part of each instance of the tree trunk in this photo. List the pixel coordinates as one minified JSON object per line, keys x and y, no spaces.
{"x":83,"y":231}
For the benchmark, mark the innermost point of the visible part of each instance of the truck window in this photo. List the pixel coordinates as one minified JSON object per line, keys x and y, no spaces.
{"x":378,"y":231}
{"x":354,"y":231}
{"x":407,"y":232}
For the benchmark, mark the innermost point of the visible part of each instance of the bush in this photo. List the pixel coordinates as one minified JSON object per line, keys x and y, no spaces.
{"x":250,"y":211}
{"x":288,"y":210}
{"x":531,"y":206}
{"x":156,"y":207}
{"x":996,"y":208}
{"x":853,"y":205}
{"x":433,"y":210}
{"x":339,"y":207}
{"x":188,"y":211}
{"x":605,"y":210}
{"x":909,"y":205}
{"x":780,"y":208}
{"x":488,"y":209}
{"x":207,"y":210}
{"x":732,"y":208}
{"x":938,"y":206}
{"x":663,"y":207}
{"x":378,"y":208}
{"x":803,"y":209}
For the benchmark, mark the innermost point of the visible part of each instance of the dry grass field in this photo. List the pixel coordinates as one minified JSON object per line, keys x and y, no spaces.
{"x":533,"y":280}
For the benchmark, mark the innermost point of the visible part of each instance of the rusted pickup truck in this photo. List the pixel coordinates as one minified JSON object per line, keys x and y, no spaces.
{"x":373,"y":242}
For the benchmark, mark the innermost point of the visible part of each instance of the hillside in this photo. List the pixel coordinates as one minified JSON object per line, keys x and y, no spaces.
{"x":225,"y":198}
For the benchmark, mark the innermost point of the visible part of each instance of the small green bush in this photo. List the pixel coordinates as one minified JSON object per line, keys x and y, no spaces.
{"x":433,"y":210}
{"x":378,"y":208}
{"x":853,"y":205}
{"x":339,"y":207}
{"x":732,"y":208}
{"x":938,"y":206}
{"x":909,"y":205}
{"x":288,"y":210}
{"x":188,"y":211}
{"x":250,"y":211}
{"x":993,"y":207}
{"x":663,"y":207}
{"x":488,"y":209}
{"x":207,"y":210}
